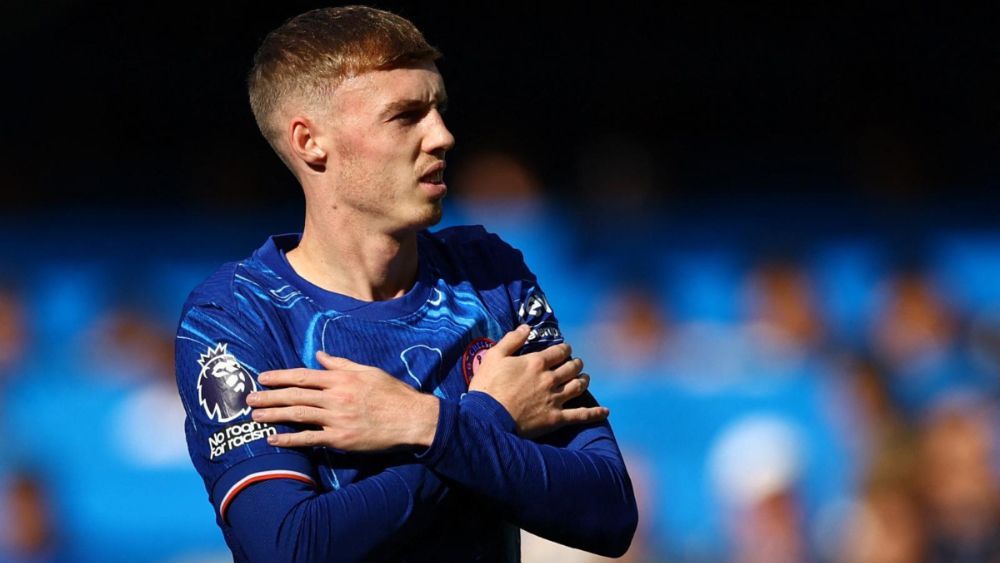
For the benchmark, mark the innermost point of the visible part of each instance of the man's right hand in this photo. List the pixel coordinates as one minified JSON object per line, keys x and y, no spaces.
{"x":535,"y":386}
{"x":355,"y":407}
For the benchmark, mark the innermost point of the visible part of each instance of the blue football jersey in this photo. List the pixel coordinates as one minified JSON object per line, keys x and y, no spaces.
{"x":258,"y":315}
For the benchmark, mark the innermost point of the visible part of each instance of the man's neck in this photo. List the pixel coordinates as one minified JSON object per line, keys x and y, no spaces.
{"x":343,"y":257}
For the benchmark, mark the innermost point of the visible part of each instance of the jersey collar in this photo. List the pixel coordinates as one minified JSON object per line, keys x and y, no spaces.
{"x":273,"y":254}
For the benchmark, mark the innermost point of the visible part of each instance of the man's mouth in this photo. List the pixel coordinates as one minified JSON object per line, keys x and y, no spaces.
{"x":435,"y":175}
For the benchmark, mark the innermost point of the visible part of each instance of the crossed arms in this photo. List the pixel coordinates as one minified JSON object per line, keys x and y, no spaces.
{"x":527,"y":438}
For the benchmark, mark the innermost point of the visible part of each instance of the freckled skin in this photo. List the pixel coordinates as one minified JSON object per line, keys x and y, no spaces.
{"x":380,"y":158}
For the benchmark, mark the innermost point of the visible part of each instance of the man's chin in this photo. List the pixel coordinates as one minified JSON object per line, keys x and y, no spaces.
{"x":428,"y":217}
{"x":435,"y":216}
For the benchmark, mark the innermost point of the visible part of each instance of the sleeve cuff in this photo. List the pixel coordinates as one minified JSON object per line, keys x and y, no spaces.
{"x":255,"y":470}
{"x":482,"y":405}
{"x":474,"y":403}
{"x":447,"y":419}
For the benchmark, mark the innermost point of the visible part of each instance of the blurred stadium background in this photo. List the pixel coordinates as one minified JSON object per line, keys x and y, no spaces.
{"x":771,"y":234}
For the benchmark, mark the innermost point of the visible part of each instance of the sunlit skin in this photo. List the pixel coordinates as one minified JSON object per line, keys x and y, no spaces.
{"x":371,"y":164}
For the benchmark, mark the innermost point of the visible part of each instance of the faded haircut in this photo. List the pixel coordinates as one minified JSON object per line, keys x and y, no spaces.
{"x":308,"y":56}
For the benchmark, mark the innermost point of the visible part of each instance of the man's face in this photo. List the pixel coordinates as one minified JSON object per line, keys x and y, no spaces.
{"x":388,"y":143}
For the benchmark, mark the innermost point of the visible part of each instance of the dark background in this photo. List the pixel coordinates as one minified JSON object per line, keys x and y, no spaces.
{"x":128,"y":104}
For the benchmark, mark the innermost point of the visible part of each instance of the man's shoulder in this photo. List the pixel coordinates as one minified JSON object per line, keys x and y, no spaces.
{"x":231,"y":286}
{"x":216,"y":289}
{"x":474,"y":244}
{"x":472,"y":255}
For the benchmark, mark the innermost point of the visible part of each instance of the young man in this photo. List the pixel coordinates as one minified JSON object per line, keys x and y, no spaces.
{"x":367,"y":389}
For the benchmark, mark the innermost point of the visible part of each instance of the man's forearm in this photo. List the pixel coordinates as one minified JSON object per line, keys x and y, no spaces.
{"x":580,"y":495}
{"x":285,"y":520}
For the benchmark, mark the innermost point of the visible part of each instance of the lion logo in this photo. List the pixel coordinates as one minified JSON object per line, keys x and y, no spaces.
{"x":223,"y":385}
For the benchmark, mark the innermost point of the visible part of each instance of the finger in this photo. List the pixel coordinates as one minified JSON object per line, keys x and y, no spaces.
{"x":298,"y":377}
{"x":299,"y":414}
{"x":555,"y":355}
{"x":303,"y":439}
{"x":585,"y":415}
{"x":512,"y":341}
{"x":285,"y":396}
{"x":335,"y":362}
{"x":569,"y":370}
{"x":573,"y":388}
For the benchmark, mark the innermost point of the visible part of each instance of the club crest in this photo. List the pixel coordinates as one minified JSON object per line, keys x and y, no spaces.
{"x":223,"y":385}
{"x":473,"y":356}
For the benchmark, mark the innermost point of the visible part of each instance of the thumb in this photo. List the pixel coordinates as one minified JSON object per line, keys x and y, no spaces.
{"x":335,"y":363}
{"x":513,"y":341}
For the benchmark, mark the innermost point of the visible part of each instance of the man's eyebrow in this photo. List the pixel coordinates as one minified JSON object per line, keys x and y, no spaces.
{"x":412,"y":104}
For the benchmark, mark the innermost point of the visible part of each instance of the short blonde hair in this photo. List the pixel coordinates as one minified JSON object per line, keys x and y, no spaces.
{"x":312,"y":53}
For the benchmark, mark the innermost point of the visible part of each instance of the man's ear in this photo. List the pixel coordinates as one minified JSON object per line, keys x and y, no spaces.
{"x":303,"y":143}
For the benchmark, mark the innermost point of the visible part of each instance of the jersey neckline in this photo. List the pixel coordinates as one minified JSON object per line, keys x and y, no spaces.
{"x":272,"y":254}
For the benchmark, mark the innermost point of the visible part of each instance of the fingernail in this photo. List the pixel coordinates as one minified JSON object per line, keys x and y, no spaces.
{"x":524,"y":328}
{"x":272,"y":440}
{"x":321,"y":353}
{"x":255,"y":415}
{"x":264,"y":377}
{"x":252,"y":398}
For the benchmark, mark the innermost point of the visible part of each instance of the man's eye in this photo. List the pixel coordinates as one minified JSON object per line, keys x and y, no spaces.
{"x":411,"y":116}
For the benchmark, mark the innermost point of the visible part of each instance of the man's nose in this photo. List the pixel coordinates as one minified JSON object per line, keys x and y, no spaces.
{"x":438,"y":138}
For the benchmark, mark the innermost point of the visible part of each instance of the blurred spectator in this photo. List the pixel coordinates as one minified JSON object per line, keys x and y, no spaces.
{"x":757,"y":466}
{"x":127,"y":443}
{"x":781,"y":308}
{"x":958,"y":484}
{"x":884,"y":523}
{"x":13,"y":357}
{"x":628,"y":334}
{"x":882,"y":440}
{"x":496,"y":178}
{"x":13,"y":331}
{"x":127,"y":347}
{"x":915,"y":326}
{"x":27,"y":533}
{"x":497,"y":189}
{"x":126,"y":344}
{"x":915,"y":335}
{"x":884,"y":526}
{"x":778,"y":331}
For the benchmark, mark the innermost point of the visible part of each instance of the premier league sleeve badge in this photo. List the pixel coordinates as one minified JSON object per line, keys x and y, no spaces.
{"x":223,"y":385}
